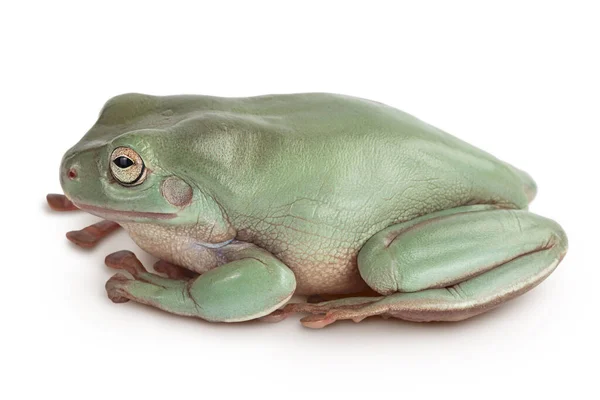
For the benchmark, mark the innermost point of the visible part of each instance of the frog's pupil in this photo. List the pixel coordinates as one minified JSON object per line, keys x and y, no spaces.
{"x":123,"y":162}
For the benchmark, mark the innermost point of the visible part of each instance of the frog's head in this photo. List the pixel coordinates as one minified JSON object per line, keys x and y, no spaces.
{"x":137,"y":176}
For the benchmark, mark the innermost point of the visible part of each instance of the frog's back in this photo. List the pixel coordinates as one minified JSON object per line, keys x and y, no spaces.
{"x":352,"y":151}
{"x":333,"y":139}
{"x":311,"y":177}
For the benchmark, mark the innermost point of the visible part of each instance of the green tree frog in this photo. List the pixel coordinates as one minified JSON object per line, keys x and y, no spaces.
{"x":247,"y":201}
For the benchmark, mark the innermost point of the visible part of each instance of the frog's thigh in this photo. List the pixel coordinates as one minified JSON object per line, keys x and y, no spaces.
{"x":252,"y":284}
{"x":453,"y":265}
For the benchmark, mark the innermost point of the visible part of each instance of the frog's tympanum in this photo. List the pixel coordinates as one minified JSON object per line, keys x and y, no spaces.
{"x":246,"y":201}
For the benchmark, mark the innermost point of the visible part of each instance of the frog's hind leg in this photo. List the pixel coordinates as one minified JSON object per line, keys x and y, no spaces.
{"x":450,"y":266}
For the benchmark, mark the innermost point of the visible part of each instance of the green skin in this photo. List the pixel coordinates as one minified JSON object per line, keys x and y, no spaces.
{"x":313,"y":194}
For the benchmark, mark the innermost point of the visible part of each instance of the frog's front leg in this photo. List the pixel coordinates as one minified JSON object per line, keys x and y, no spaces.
{"x":449,"y":266}
{"x":251,"y":284}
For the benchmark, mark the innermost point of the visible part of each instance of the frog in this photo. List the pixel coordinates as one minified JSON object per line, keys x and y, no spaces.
{"x":363,"y":209}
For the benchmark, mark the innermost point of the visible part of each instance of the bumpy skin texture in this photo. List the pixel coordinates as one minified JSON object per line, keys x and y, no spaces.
{"x":309,"y":178}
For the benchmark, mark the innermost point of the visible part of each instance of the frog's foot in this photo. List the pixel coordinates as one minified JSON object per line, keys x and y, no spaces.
{"x":90,"y":236}
{"x":59,"y":202}
{"x":449,"y":266}
{"x":143,"y":286}
{"x":251,"y":284}
{"x":127,"y":261}
{"x":320,"y":319}
{"x":321,"y":304}
{"x":87,"y":237}
{"x":319,"y":309}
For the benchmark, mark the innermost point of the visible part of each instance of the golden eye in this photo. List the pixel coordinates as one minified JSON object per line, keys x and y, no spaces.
{"x":127,"y":167}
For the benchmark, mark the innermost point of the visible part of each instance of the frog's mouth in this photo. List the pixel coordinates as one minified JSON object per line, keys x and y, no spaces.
{"x":121,"y":214}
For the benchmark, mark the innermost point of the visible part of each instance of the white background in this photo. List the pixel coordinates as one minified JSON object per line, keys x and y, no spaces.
{"x":518,"y":79}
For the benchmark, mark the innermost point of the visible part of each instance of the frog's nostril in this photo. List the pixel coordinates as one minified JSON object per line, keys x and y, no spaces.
{"x":72,"y":173}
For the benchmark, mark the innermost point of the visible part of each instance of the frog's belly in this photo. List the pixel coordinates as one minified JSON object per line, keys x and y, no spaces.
{"x":322,"y":263}
{"x":327,"y":269}
{"x":327,"y":278}
{"x":318,"y":271}
{"x":177,"y":245}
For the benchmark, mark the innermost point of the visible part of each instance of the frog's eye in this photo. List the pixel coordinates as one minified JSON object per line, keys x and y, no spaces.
{"x":127,"y":167}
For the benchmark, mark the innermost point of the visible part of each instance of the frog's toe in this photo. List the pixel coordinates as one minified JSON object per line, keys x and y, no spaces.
{"x":90,"y":236}
{"x":87,"y":237}
{"x":125,"y":260}
{"x":318,"y":321}
{"x":321,"y":312}
{"x":116,"y":288}
{"x":327,"y":306}
{"x":275,"y":316}
{"x":60,"y":202}
{"x":355,"y":312}
{"x":145,"y":287}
